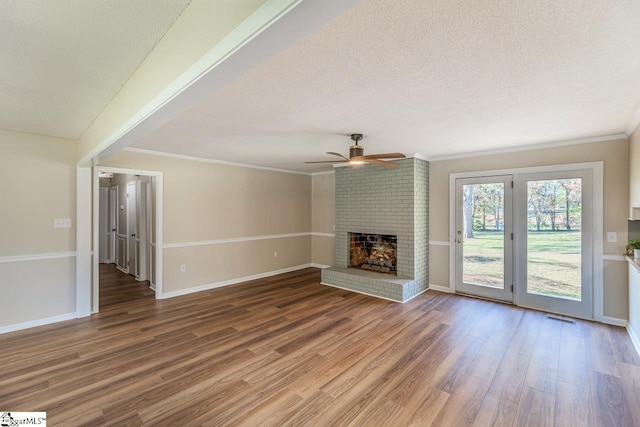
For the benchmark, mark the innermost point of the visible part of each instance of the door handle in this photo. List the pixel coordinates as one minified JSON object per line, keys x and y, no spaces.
{"x":113,"y":229}
{"x":460,"y":240}
{"x":133,"y":235}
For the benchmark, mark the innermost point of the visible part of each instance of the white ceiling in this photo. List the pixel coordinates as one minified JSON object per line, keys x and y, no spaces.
{"x":64,"y":60}
{"x":439,"y":78}
{"x":435,"y":77}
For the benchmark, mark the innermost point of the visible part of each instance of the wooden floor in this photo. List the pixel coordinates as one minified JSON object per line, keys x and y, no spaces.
{"x":289,"y":351}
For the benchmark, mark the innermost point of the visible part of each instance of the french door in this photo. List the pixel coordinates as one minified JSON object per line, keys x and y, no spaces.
{"x":483,"y":239}
{"x":554,"y":266}
{"x":527,"y":239}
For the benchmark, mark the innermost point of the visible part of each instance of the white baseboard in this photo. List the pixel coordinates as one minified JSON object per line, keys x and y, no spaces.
{"x":36,"y":323}
{"x":122,"y":269}
{"x":208,"y":286}
{"x":635,"y":338}
{"x":439,"y":288}
{"x":614,"y":321}
{"x":314,"y":265}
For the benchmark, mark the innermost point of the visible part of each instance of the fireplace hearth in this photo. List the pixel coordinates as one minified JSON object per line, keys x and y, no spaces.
{"x":373,"y":252}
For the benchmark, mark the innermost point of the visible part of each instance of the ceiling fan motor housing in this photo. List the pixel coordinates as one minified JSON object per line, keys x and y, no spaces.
{"x":356,"y":151}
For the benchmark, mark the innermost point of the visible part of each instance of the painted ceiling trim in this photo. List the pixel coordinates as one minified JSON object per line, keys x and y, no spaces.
{"x":635,"y":121}
{"x":514,"y":149}
{"x":322,"y":173}
{"x":205,"y":160}
{"x":531,"y":147}
{"x":261,"y":19}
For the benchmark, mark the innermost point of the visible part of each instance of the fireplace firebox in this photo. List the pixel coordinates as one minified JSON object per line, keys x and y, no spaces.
{"x":374,"y":252}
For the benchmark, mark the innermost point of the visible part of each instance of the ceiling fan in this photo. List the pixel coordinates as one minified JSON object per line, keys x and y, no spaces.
{"x":357,"y":157}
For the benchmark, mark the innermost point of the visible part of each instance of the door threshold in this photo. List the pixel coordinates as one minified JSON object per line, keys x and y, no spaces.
{"x":484,"y":298}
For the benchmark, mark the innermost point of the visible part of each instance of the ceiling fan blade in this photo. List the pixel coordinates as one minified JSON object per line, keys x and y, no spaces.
{"x":337,"y":154}
{"x":382,"y":163}
{"x":385,"y":156}
{"x":331,"y":161}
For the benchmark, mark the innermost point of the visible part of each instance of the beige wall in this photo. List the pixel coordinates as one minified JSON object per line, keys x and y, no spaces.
{"x":615,"y":156}
{"x":197,"y":30}
{"x":634,"y":168}
{"x":323,"y":218}
{"x":208,"y":201}
{"x":38,"y":176}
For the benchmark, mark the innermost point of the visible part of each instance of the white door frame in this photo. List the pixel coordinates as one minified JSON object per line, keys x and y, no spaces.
{"x":141,"y":230}
{"x":132,"y":220}
{"x":94,"y":286}
{"x":104,"y":242}
{"x":506,"y":292}
{"x":149,"y":231}
{"x":598,"y":221}
{"x":113,"y":223}
{"x":584,"y":307}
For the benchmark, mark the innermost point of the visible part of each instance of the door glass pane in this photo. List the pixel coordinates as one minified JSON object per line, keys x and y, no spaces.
{"x":483,"y":249}
{"x":554,"y":238}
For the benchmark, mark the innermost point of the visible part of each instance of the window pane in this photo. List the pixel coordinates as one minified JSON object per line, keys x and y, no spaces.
{"x":554,"y":238}
{"x":483,"y":249}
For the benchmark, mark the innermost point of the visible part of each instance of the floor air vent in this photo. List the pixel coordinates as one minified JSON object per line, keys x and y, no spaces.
{"x":559,"y":319}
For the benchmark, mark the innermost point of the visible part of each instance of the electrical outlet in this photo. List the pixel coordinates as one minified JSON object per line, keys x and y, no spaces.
{"x":612,"y":237}
{"x":275,"y":254}
{"x":183,"y":268}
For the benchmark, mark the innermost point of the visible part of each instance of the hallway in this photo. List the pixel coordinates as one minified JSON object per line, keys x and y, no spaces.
{"x":117,"y":287}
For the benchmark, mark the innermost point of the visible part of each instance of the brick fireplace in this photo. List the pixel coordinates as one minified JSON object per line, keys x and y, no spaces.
{"x":383,"y":202}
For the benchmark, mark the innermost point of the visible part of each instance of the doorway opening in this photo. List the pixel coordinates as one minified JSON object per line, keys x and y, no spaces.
{"x":127,"y":228}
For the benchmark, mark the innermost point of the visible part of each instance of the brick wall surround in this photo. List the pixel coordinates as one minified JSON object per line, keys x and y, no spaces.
{"x":376,"y":200}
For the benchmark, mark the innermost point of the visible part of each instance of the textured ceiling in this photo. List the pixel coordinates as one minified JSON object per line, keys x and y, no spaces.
{"x":63,"y":60}
{"x":439,"y":77}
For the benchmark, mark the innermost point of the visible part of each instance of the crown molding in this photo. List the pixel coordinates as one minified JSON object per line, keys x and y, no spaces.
{"x":418,"y":156}
{"x":531,"y":147}
{"x":323,"y":173}
{"x":635,"y":121}
{"x":206,"y":160}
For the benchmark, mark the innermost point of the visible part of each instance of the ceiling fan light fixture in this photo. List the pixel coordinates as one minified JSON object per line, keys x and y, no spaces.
{"x":357,"y":157}
{"x":356,"y":151}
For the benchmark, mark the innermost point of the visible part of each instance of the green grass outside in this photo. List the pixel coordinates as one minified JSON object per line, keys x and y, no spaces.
{"x":553,"y":261}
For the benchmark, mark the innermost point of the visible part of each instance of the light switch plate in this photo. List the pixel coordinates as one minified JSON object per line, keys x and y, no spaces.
{"x":62,"y":223}
{"x":612,"y":237}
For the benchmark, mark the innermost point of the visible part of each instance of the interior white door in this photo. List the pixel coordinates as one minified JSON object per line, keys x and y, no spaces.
{"x":484,"y":237}
{"x":113,"y":223}
{"x":141,"y":235}
{"x":132,"y":253}
{"x":103,"y":223}
{"x":149,"y":219}
{"x":555,"y":242}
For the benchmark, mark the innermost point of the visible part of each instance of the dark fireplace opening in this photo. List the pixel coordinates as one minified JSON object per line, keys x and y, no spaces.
{"x":374,"y":252}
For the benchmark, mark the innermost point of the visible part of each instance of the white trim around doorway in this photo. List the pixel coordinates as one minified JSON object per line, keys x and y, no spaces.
{"x":159,"y":221}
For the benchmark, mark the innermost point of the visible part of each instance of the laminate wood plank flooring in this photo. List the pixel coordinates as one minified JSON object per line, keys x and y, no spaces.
{"x":286,"y":350}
